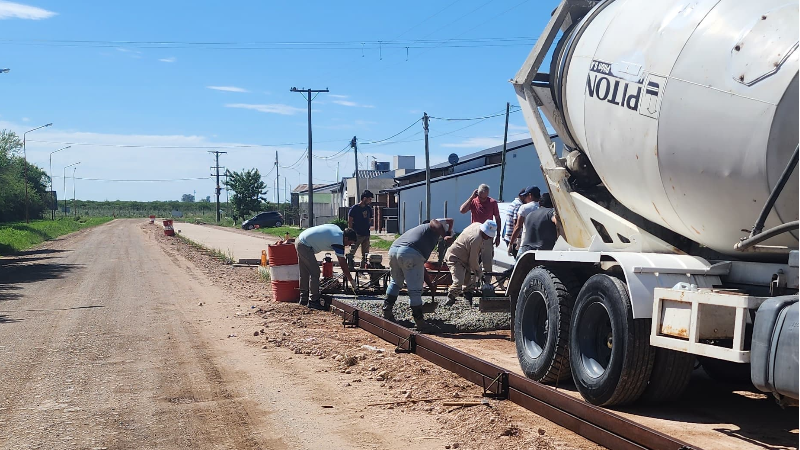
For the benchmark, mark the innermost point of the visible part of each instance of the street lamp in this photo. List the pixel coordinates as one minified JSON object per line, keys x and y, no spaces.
{"x":25,"y":155}
{"x":65,"y":184}
{"x":75,"y":213}
{"x":53,"y":209}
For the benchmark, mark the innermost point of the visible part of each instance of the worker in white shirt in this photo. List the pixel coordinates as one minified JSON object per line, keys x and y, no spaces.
{"x":463,"y":256}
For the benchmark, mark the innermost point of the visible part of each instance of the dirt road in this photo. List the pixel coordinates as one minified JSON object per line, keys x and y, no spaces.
{"x":103,"y":344}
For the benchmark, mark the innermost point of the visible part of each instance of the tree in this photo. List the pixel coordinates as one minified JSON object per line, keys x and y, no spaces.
{"x":10,"y":145}
{"x":13,"y":180}
{"x":248,"y":191}
{"x":205,"y":200}
{"x":187,"y":198}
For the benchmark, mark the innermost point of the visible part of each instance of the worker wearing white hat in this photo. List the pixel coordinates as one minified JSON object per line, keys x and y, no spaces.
{"x":464,"y":255}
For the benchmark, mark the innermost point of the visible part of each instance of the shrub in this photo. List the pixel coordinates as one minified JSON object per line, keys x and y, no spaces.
{"x":341,"y":223}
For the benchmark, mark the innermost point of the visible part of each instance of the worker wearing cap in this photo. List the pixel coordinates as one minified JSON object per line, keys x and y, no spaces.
{"x":359,"y":218}
{"x":526,"y":196}
{"x":530,"y":202}
{"x":463,"y":255}
{"x":483,"y":208}
{"x":407,"y":257}
{"x":317,"y":239}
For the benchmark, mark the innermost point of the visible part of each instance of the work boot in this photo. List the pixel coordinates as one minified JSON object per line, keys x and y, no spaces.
{"x":451,"y":299}
{"x":388,"y":306}
{"x":419,"y":321}
{"x":303,"y":299}
{"x":316,"y":305}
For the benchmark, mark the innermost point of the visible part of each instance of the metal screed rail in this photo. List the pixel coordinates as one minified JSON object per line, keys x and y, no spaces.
{"x":594,"y":423}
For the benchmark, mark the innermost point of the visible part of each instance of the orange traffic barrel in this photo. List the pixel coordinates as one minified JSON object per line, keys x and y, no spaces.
{"x":168,"y":230}
{"x":284,"y":272}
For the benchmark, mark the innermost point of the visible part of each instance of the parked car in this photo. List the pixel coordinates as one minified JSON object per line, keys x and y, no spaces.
{"x":264,"y":219}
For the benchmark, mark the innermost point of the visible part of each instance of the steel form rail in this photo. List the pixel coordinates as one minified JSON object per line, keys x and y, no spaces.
{"x":592,"y":422}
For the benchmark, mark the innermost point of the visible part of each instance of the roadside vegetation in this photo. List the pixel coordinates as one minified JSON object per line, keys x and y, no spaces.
{"x":18,"y":236}
{"x":281,"y":231}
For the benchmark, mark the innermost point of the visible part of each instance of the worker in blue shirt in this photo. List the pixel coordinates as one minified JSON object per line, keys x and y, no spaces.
{"x":359,"y":218}
{"x":314,"y":240}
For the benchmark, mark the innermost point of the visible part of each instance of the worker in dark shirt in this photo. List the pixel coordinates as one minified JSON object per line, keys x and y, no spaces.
{"x":407,"y":257}
{"x":540,"y":227}
{"x":359,"y":218}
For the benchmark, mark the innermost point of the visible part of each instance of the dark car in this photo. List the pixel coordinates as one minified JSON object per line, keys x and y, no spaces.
{"x":263,"y":220}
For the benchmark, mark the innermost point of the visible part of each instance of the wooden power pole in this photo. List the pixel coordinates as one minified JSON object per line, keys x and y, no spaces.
{"x":217,"y":167}
{"x":307,"y":94}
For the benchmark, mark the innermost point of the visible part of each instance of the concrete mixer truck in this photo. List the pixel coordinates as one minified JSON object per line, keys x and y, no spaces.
{"x":676,"y":195}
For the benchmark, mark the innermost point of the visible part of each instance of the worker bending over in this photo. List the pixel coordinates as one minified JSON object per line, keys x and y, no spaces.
{"x":317,"y":239}
{"x":407,"y":257}
{"x":483,"y":208}
{"x":462,"y":256}
{"x":540,"y":227}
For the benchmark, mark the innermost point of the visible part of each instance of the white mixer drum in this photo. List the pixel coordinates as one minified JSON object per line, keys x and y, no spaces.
{"x":688,"y":110}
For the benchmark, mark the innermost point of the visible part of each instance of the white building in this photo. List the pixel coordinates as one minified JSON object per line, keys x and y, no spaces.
{"x":452,"y":184}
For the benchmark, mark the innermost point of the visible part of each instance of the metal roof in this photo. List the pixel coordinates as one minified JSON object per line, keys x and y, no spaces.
{"x":485,"y":152}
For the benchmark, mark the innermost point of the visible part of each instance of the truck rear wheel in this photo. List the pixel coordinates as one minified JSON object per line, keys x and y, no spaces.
{"x":542,"y":316}
{"x":610,"y":353}
{"x":670,"y":376}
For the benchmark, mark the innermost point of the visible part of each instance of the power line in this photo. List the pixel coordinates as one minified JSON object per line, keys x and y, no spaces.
{"x":142,"y":181}
{"x":190,"y":147}
{"x":359,"y":45}
{"x":475,"y":118}
{"x":394,"y":135}
{"x":296,"y":162}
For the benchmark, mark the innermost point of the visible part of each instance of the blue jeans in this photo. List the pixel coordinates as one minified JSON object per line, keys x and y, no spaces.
{"x":406,"y":264}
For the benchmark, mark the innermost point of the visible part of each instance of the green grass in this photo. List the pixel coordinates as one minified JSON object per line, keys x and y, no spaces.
{"x":18,"y":236}
{"x":377,"y":242}
{"x":281,"y":231}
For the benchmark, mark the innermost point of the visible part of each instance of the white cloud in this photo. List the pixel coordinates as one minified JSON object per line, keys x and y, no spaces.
{"x":337,"y":96}
{"x":25,"y":119}
{"x":351,"y":104}
{"x":228,"y":88}
{"x":275,"y":108}
{"x":171,"y":59}
{"x":11,"y":10}
{"x":182,"y":159}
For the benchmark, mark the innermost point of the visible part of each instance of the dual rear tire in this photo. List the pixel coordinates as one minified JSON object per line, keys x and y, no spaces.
{"x":593,"y":337}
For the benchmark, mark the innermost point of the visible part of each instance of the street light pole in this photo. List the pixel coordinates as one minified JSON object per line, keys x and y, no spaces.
{"x":54,"y":207}
{"x":65,"y":185}
{"x":25,"y":155}
{"x":75,"y":213}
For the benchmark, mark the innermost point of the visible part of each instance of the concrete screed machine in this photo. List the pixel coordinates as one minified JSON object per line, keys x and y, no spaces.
{"x":676,"y":194}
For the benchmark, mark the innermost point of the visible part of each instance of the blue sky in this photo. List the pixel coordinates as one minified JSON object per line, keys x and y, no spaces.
{"x":119,"y":79}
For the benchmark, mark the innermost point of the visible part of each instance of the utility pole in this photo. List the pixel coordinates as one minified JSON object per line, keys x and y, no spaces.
{"x":74,"y":213}
{"x":427,"y":168}
{"x":354,"y":145}
{"x":217,"y":167}
{"x":277,"y":182}
{"x":227,"y":199}
{"x":503,"y":159}
{"x":308,"y":97}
